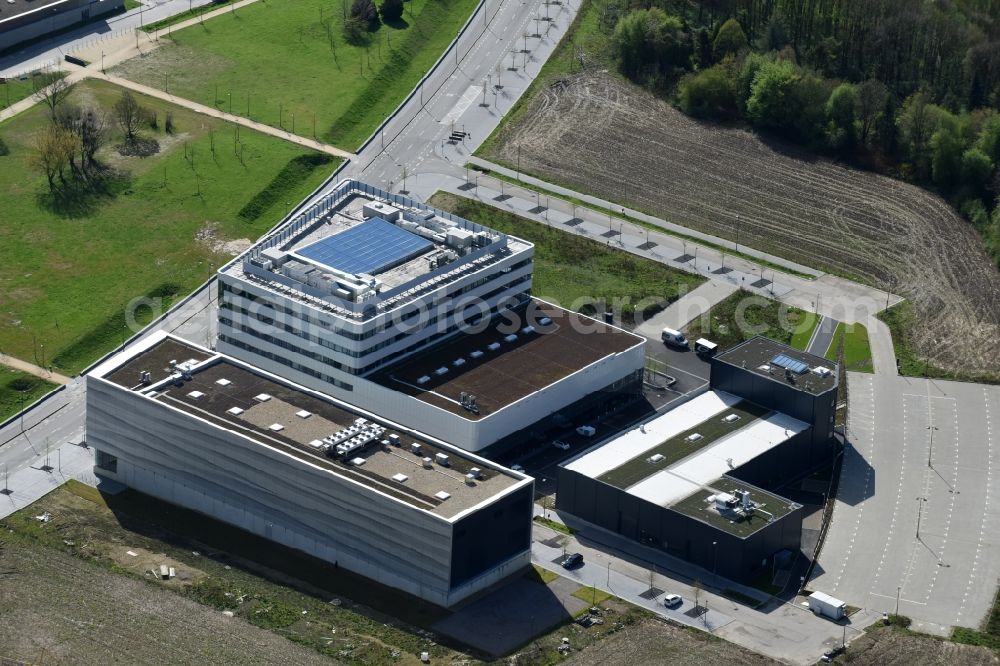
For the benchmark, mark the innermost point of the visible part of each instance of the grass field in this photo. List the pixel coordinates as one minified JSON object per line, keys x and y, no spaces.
{"x":19,"y":389}
{"x":72,"y":264}
{"x":857,"y":351}
{"x":573,"y":271}
{"x":275,"y":63}
{"x":743,"y":315}
{"x":14,"y":90}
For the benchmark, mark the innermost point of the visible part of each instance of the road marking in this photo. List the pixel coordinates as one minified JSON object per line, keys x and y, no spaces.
{"x":987,"y":501}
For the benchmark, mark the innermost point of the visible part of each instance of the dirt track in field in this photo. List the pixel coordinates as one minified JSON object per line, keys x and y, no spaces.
{"x":599,"y":134}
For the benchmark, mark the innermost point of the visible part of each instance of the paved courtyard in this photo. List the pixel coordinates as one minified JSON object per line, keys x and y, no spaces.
{"x":917,"y":510}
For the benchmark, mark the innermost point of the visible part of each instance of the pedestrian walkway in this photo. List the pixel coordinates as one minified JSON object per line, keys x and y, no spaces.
{"x":32,"y":369}
{"x":687,"y":308}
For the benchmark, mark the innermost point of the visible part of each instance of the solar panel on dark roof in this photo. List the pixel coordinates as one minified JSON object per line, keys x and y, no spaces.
{"x":789,"y":363}
{"x":370,"y":247}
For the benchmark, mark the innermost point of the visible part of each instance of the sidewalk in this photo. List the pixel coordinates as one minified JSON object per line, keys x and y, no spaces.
{"x":29,"y":484}
{"x":32,"y":369}
{"x":687,"y":308}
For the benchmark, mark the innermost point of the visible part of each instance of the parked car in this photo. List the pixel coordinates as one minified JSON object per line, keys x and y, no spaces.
{"x":672,"y":600}
{"x":586,"y":430}
{"x":673,"y":337}
{"x":559,"y":444}
{"x":572,"y":561}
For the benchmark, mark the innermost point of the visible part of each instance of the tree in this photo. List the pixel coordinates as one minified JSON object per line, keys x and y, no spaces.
{"x":872,"y":96}
{"x":365,"y":12}
{"x":787,"y":99}
{"x":129,"y":115}
{"x":989,"y":138}
{"x":946,"y":155}
{"x":841,"y":115}
{"x":729,"y":40}
{"x":391,"y":10}
{"x":711,"y":93}
{"x":50,"y":91}
{"x":977,"y":167}
{"x":917,"y":121}
{"x":648,"y":41}
{"x":54,"y":147}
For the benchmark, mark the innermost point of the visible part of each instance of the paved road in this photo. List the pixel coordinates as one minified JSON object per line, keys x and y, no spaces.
{"x":822,"y":336}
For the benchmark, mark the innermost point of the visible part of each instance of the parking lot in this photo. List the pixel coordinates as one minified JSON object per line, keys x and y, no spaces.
{"x":917,"y":510}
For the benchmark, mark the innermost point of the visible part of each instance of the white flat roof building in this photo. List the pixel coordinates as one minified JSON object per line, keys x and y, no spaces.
{"x":387,"y":303}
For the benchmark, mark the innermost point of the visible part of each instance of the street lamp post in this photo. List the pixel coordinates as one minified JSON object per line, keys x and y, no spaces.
{"x":930,"y":449}
{"x":737,"y":233}
{"x":898,"y":588}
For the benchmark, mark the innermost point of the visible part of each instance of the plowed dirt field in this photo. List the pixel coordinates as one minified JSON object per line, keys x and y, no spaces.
{"x":599,"y":134}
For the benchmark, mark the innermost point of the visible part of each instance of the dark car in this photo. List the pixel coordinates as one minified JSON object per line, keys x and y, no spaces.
{"x":572,"y":561}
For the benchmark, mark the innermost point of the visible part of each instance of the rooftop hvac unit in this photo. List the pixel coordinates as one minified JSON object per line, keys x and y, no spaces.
{"x":693,"y":437}
{"x":476,"y":473}
{"x":442,"y":459}
{"x":416,"y":448}
{"x":470,"y":479}
{"x":822,"y":371}
{"x":394,"y":438}
{"x":443,"y":370}
{"x":732,"y":418}
{"x":655,"y":458}
{"x":428,"y":463}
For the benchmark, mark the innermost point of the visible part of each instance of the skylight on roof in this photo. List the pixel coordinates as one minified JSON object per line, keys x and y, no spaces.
{"x":262,"y":397}
{"x":194,"y":395}
{"x":235,"y":411}
{"x":303,"y":414}
{"x":223,"y":382}
{"x":790,"y":364}
{"x":276,"y":427}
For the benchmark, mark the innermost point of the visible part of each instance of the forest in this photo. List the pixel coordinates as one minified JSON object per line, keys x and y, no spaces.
{"x":909,"y":88}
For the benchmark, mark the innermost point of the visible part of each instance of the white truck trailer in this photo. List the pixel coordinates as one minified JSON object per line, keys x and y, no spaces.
{"x":821,"y":603}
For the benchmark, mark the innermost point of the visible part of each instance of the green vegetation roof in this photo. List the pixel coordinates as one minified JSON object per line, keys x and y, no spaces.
{"x":697,"y":506}
{"x":678,"y":447}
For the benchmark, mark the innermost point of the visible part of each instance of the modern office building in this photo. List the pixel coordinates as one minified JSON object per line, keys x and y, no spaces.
{"x":699,"y":480}
{"x":213,"y":434}
{"x":22,"y":20}
{"x":389,"y":304}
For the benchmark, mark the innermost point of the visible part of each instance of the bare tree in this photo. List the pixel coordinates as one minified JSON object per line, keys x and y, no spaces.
{"x":90,"y":127}
{"x":129,"y":115}
{"x":54,"y":147}
{"x":50,"y":91}
{"x":872,"y":95}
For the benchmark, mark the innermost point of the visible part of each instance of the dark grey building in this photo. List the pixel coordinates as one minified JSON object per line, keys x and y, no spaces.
{"x":698,"y":480}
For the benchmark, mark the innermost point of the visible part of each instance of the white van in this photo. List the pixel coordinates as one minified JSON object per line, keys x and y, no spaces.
{"x":674,"y":337}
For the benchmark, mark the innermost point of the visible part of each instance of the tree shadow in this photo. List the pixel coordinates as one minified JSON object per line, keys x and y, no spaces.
{"x":83,"y":196}
{"x":399,"y":24}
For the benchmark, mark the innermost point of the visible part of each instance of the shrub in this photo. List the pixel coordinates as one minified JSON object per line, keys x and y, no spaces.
{"x":711,"y":93}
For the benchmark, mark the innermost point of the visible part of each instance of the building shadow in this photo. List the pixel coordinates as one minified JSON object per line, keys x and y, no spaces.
{"x":857,"y":477}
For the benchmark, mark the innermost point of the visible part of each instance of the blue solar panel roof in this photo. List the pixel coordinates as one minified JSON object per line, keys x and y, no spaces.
{"x":789,"y":363}
{"x":370,"y":247}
